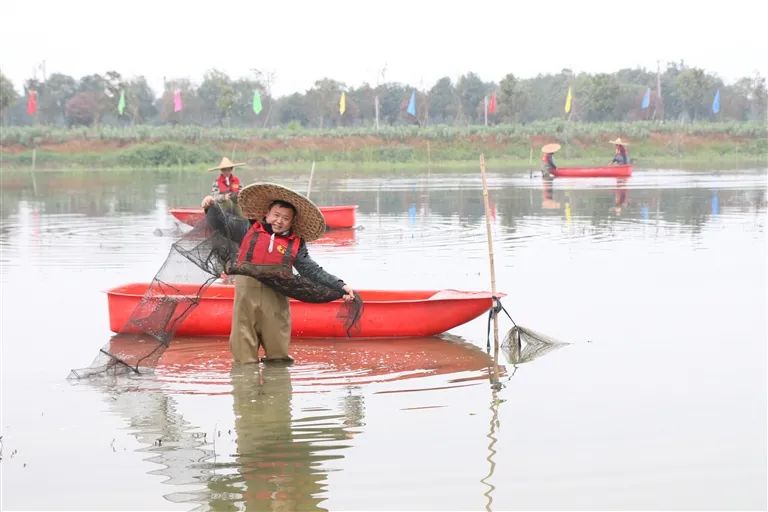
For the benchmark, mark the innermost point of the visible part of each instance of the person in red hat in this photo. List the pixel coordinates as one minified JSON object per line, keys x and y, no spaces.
{"x":226,"y":186}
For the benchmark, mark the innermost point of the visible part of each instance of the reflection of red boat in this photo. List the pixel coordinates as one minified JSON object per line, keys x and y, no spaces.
{"x":608,"y":171}
{"x":386,"y":313}
{"x":337,"y":237}
{"x":337,"y":361}
{"x":335,"y":216}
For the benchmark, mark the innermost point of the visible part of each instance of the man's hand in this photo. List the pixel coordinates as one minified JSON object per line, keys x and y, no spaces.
{"x":349,"y":293}
{"x":207,"y":201}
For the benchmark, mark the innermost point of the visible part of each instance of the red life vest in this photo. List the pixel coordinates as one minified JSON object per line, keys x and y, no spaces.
{"x":228,"y":184}
{"x":260,"y":248}
{"x":547,"y":159}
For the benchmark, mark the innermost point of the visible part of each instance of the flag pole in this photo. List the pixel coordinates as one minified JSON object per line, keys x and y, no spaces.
{"x":485,"y":109}
{"x":311,"y":175}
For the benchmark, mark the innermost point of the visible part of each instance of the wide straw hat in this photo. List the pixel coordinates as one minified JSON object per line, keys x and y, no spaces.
{"x":225,"y":164}
{"x":255,"y":199}
{"x":550,"y":148}
{"x":619,"y":141}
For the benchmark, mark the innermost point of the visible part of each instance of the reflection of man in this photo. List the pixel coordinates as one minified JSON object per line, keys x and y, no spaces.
{"x":278,"y":465}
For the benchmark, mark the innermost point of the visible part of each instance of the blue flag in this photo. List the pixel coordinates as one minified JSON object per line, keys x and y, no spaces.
{"x":412,"y":105}
{"x":646,"y":99}
{"x":716,"y":103}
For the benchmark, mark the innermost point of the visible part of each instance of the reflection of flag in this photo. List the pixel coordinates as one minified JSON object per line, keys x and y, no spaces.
{"x":343,"y":103}
{"x":568,"y":99}
{"x":177,"y":104}
{"x":121,"y":103}
{"x":492,"y":104}
{"x":256,"y":102}
{"x":32,"y":102}
{"x":646,"y":99}
{"x":716,"y":103}
{"x":412,"y":105}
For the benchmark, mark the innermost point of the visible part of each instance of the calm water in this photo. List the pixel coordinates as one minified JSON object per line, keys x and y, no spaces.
{"x":658,"y":402}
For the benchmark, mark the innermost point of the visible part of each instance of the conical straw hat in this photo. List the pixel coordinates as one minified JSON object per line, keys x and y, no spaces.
{"x":550,"y":148}
{"x":225,"y":164}
{"x":619,"y":141}
{"x":255,"y":199}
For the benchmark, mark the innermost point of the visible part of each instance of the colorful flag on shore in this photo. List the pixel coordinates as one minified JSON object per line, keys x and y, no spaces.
{"x":31,"y":102}
{"x":177,"y":103}
{"x":256,"y":102}
{"x":343,"y":103}
{"x":716,"y":103}
{"x":568,"y":99}
{"x":121,"y":103}
{"x":492,"y":104}
{"x":646,"y":99}
{"x":412,"y":104}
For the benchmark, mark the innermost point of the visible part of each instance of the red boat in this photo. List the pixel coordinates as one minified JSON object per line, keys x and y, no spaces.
{"x":608,"y":171}
{"x":386,"y":313}
{"x":335,"y":216}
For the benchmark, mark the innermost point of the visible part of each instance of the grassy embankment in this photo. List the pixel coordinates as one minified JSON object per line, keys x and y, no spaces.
{"x":163,"y":147}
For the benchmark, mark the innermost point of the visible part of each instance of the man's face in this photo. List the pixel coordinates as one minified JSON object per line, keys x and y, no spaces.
{"x":280,"y":218}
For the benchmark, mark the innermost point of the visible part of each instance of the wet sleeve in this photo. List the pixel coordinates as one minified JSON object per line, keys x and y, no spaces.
{"x":231,"y":226}
{"x":308,"y":268}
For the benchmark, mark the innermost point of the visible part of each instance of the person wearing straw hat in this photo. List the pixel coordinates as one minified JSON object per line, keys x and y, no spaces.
{"x":278,"y":222}
{"x":621,"y":156}
{"x":226,"y":186}
{"x":547,"y":162}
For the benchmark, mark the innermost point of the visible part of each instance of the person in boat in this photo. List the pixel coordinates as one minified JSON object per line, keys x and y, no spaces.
{"x":547,"y":160}
{"x":226,"y":186}
{"x":278,"y":223}
{"x":621,"y":156}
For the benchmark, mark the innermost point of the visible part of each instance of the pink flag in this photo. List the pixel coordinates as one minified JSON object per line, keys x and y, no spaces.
{"x":177,"y":105}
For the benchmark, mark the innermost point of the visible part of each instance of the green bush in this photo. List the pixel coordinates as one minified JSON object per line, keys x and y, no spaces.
{"x":166,"y":154}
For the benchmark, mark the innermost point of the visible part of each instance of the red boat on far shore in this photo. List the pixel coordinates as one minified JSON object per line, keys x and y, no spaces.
{"x":607,"y":171}
{"x":336,"y":217}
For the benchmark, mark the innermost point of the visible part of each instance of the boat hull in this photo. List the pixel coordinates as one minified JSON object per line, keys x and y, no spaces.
{"x":386,"y":313}
{"x":608,"y":171}
{"x":336,"y":217}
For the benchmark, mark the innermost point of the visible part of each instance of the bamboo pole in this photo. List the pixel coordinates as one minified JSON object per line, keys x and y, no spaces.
{"x":490,"y":253}
{"x":311,"y":175}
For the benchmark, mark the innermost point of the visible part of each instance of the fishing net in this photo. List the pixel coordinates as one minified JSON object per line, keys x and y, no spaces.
{"x":195,"y":261}
{"x":521,"y":344}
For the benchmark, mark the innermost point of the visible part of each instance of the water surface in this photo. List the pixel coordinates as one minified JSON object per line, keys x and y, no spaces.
{"x":658,"y":402}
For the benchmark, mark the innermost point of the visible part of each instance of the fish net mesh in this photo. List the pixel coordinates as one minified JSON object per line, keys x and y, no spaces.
{"x":195,"y":261}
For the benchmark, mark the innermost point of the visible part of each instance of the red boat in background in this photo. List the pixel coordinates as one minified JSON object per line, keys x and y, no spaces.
{"x":608,"y":171}
{"x":336,"y":217}
{"x":386,"y":313}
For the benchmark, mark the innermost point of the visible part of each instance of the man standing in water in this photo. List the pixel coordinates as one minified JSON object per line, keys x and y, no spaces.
{"x":279,"y":223}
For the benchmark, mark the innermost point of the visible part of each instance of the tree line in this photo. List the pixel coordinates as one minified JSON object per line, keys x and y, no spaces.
{"x":679,"y":93}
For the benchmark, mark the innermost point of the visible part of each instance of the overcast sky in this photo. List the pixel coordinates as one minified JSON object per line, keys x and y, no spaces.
{"x":413,"y":42}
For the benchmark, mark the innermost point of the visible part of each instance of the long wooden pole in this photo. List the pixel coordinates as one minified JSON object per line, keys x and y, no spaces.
{"x":490,"y":251}
{"x":311,"y":175}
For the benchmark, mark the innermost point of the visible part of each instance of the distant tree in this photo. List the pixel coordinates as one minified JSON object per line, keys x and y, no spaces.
{"x":471,"y":91}
{"x":291,"y":109}
{"x":443,"y":102}
{"x":512,"y":100}
{"x":393,"y":100}
{"x":323,"y":102}
{"x":82,"y":108}
{"x":7,"y":93}
{"x":217,"y":98}
{"x":55,"y":93}
{"x":139,"y":100}
{"x":695,"y":92}
{"x":599,"y":97}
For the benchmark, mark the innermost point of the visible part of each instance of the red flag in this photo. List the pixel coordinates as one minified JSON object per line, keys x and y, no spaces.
{"x":492,"y":104}
{"x":32,"y":102}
